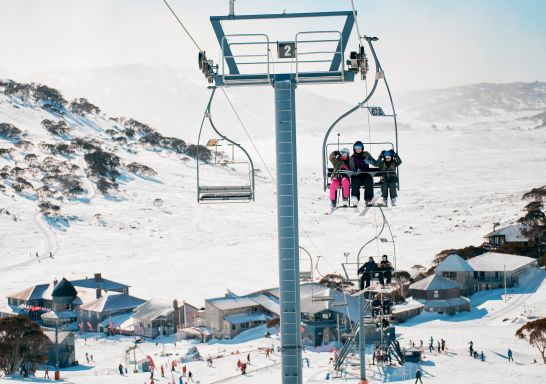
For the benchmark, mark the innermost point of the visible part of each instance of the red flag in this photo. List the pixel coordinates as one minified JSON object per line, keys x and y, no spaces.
{"x":119,"y":329}
{"x":80,"y":325}
{"x":150,"y":360}
{"x":90,"y":326}
{"x":302,"y":329}
{"x":111,"y":326}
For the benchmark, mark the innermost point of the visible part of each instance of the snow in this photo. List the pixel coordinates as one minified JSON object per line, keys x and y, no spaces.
{"x":434,"y":282}
{"x":457,"y":179}
{"x":512,"y":233}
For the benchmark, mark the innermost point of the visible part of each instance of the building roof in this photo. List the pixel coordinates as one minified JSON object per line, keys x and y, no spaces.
{"x":125,"y":321}
{"x":446,"y":303}
{"x":111,"y":301}
{"x":63,"y":336}
{"x":496,"y":262}
{"x":64,"y":288}
{"x":10,"y":310}
{"x":152,"y":309}
{"x":409,"y":305}
{"x":52,"y":315}
{"x":513,"y":233}
{"x":232,"y":301}
{"x":35,"y":292}
{"x":433,"y":282}
{"x":247,"y":317}
{"x":101,"y":283}
{"x":454,"y":263}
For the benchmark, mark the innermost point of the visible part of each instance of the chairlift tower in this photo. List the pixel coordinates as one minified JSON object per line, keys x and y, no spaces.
{"x":303,"y":57}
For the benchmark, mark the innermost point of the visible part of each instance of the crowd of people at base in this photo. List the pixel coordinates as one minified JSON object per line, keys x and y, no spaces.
{"x":370,"y":269}
{"x":359,"y":162}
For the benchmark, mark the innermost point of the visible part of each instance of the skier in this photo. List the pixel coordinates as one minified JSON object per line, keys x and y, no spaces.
{"x":418,"y":375}
{"x":46,"y":376}
{"x":248,"y":359}
{"x":184,"y":371}
{"x":87,"y":357}
{"x":438,"y":346}
{"x":162,"y":371}
{"x":471,"y":348}
{"x":388,"y":161}
{"x":340,"y":161}
{"x":360,"y":161}
{"x":267,"y":353}
{"x":243,"y":369}
{"x":443,"y":345}
{"x":510,"y":355}
{"x":385,"y":270}
{"x":120,"y":368}
{"x":482,"y":356}
{"x":239,"y":365}
{"x":173,"y":364}
{"x":180,"y":380}
{"x":367,"y":270}
{"x":190,"y":376}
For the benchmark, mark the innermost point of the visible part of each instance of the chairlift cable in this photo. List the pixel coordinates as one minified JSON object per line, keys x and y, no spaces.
{"x":247,"y":134}
{"x":182,"y":25}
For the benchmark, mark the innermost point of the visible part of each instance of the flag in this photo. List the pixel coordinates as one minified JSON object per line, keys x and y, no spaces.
{"x":90,"y":326}
{"x":111,"y":326}
{"x":80,"y":325}
{"x":150,"y":360}
{"x":119,"y":329}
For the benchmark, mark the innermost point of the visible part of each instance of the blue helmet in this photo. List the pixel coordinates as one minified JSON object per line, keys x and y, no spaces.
{"x":358,"y":144}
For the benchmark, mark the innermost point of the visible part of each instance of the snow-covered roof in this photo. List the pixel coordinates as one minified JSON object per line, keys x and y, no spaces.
{"x":408,"y":305}
{"x":513,"y":233}
{"x":101,"y":283}
{"x":231,"y":302}
{"x":247,"y":317}
{"x":152,"y":309}
{"x":125,"y":320}
{"x":35,"y":292}
{"x":434,"y":282}
{"x":52,"y":315}
{"x":61,"y":336}
{"x":10,"y":310}
{"x":113,"y":302}
{"x":454,"y":263}
{"x":446,"y":303}
{"x":495,"y":262}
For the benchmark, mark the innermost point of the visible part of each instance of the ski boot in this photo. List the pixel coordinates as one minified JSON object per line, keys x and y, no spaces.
{"x":393,"y":202}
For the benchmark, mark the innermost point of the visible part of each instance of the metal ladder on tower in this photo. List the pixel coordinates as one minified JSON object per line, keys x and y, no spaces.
{"x":349,"y":342}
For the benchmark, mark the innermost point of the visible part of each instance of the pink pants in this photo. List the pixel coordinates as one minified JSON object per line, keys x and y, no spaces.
{"x":334,"y":185}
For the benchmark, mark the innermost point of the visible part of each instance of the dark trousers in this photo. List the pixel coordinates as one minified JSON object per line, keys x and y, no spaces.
{"x":365,"y":278}
{"x":359,"y":180}
{"x":418,"y":379}
{"x":383,"y":275}
{"x":389,"y":186}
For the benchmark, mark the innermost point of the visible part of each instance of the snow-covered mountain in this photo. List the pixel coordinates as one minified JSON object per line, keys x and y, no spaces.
{"x":456,"y":180}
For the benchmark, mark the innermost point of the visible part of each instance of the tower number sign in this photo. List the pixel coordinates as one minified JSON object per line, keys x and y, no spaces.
{"x":286,"y":49}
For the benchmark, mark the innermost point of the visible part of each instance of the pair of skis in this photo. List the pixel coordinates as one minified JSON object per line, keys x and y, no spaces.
{"x":375,"y":203}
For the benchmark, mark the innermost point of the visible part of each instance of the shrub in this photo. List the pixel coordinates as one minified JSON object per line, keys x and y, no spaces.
{"x":48,"y":96}
{"x":204,"y":153}
{"x":10,"y":132}
{"x":19,"y":90}
{"x":82,"y":107}
{"x":141,"y":170}
{"x":58,"y":128}
{"x":103,"y":164}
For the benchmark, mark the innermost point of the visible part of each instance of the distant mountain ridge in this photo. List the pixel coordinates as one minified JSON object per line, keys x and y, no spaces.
{"x":475,"y":100}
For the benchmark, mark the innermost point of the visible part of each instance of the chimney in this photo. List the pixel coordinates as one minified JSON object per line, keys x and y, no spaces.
{"x":99,"y":293}
{"x":55,"y":282}
{"x":98,"y":277}
{"x":175,"y":304}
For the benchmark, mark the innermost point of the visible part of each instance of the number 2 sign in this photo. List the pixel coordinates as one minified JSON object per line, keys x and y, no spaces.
{"x":286,"y":50}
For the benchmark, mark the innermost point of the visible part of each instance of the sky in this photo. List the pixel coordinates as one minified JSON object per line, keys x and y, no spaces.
{"x":423,"y":43}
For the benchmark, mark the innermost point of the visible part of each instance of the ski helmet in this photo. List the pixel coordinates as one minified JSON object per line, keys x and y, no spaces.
{"x":358,"y":144}
{"x":345,"y":150}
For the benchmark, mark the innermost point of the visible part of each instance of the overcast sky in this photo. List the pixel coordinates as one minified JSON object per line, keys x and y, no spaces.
{"x":423,"y":43}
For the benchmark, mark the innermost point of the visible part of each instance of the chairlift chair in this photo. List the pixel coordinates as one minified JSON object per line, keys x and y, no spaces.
{"x":223,"y":193}
{"x":328,"y":171}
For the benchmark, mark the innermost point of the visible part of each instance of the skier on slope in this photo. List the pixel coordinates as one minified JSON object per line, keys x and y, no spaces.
{"x":388,"y":161}
{"x":340,"y":161}
{"x":360,"y":161}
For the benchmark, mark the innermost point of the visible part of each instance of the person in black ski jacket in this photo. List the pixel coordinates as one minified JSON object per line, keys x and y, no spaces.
{"x":385,"y":270}
{"x":360,"y":161}
{"x":418,"y":375}
{"x":367,"y":270}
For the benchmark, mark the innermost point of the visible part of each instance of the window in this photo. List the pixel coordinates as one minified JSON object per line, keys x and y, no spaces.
{"x":450,"y":275}
{"x":436,"y":295}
